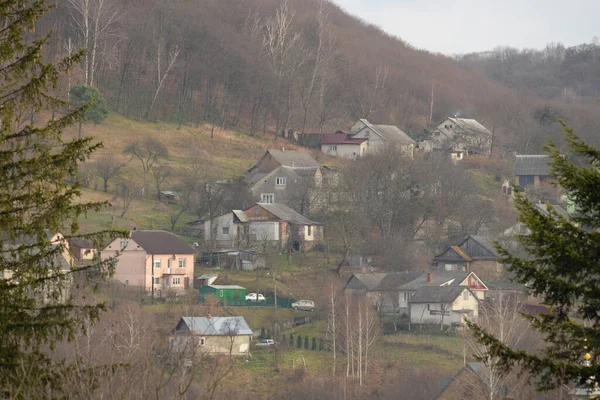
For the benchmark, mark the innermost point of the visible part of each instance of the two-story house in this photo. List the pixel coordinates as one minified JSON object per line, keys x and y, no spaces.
{"x":380,"y":137}
{"x":474,"y":254}
{"x":460,"y":137}
{"x":155,"y":260}
{"x":290,"y":177}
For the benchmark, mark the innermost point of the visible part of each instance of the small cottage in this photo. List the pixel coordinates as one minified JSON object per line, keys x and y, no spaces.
{"x":532,"y":170}
{"x":195,"y":336}
{"x":443,"y":305}
{"x":226,"y":294}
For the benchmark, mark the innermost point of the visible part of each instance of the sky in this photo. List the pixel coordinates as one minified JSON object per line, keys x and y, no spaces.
{"x":464,"y":26}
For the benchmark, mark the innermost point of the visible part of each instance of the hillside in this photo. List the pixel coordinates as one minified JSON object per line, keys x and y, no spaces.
{"x":210,"y":61}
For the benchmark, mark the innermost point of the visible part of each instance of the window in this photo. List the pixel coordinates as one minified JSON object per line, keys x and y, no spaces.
{"x":256,"y":211}
{"x":182,"y":263}
{"x":202,"y":341}
{"x":169,"y":263}
{"x":221,"y":294}
{"x":309,"y":230}
{"x":156,"y":263}
{"x":428,"y":307}
{"x":225,"y":230}
{"x":367,"y":134}
{"x":157,"y":281}
{"x":176,"y":281}
{"x":281,"y":181}
{"x":124,"y":243}
{"x":267,"y":198}
{"x":333,"y":148}
{"x":466,"y":295}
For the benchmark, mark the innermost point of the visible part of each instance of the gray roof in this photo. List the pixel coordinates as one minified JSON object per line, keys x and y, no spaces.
{"x":486,"y":242}
{"x":241,"y":215}
{"x":285,"y":213}
{"x":227,"y":287}
{"x":558,"y":209}
{"x":438,"y":278}
{"x":56,"y":259}
{"x":536,"y":165}
{"x":396,"y":280}
{"x":294,"y":158}
{"x":470,"y":125}
{"x":437,"y":294}
{"x":368,"y":282}
{"x":81,"y":242}
{"x":214,"y":326}
{"x":254,"y":177}
{"x":393,"y":134}
{"x":161,"y":242}
{"x":207,"y":276}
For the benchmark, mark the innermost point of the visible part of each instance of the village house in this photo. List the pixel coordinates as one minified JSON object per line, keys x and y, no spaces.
{"x":473,"y":254}
{"x":380,"y":137}
{"x":156,"y":260}
{"x":342,"y":144}
{"x":460,"y":137}
{"x":443,"y":305}
{"x":289,"y":177}
{"x":532,"y":170}
{"x":82,"y":249}
{"x":470,"y":383}
{"x":397,"y":288}
{"x":367,"y":284}
{"x":198,"y":336}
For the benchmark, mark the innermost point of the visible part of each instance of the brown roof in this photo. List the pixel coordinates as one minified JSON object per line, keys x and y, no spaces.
{"x":161,"y":242}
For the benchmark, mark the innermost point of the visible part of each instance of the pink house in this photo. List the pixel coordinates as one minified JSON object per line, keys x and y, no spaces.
{"x":158,"y":259}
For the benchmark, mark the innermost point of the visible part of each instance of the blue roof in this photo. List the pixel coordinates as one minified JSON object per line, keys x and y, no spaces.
{"x":215,"y":326}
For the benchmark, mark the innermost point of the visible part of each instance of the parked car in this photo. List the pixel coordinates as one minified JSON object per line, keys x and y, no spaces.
{"x":255,"y":297}
{"x":306,"y":305}
{"x":265,"y":342}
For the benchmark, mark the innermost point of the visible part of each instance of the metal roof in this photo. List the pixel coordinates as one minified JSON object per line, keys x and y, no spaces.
{"x":368,"y":282}
{"x":241,"y":216}
{"x":161,"y":242}
{"x":216,"y":326}
{"x":536,"y":165}
{"x":294,"y":158}
{"x":395,"y":280}
{"x":224,"y":287}
{"x":437,"y":294}
{"x":448,"y":278}
{"x":207,"y":276}
{"x":285,"y":213}
{"x":341,"y":138}
{"x":393,"y":134}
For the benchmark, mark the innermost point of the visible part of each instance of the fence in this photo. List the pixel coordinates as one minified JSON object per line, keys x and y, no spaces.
{"x":282,"y":302}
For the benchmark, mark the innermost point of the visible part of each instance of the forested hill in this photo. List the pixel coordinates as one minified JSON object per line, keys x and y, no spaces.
{"x":260,"y":65}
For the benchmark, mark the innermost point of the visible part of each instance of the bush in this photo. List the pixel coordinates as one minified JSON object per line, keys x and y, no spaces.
{"x":291,"y":340}
{"x":314,"y":343}
{"x":306,"y":342}
{"x":299,"y":342}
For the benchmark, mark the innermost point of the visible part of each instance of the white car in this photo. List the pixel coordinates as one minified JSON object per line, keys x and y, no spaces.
{"x":266,"y":342}
{"x":255,"y":297}
{"x":307,"y":305}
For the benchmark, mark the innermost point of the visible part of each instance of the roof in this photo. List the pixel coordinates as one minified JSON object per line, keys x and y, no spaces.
{"x":369,"y":282}
{"x":341,"y":138}
{"x":285,"y":213}
{"x":437,"y":294}
{"x":451,"y":278}
{"x":161,"y":242}
{"x":224,"y":287}
{"x":294,"y":158}
{"x":486,"y":242}
{"x":81,"y":242}
{"x":558,"y":209}
{"x":393,"y":134}
{"x":216,"y":326}
{"x":478,"y":369}
{"x":207,"y":276}
{"x":241,"y":216}
{"x":395,"y":280}
{"x":254,"y":177}
{"x":470,"y":125}
{"x":536,"y":165}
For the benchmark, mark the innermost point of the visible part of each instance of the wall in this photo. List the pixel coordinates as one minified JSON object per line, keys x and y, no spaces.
{"x":216,"y":227}
{"x":416,"y":310}
{"x":166,"y":274}
{"x":264,"y":231}
{"x":131,"y":263}
{"x":486,"y":269}
{"x":350,"y":151}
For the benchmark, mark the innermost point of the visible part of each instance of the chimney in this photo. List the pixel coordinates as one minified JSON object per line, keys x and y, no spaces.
{"x":429,"y":277}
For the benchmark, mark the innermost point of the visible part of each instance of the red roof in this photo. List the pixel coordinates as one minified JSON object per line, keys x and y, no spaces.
{"x":341,"y":138}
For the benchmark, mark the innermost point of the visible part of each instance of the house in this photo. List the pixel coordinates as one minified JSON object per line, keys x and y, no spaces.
{"x":280,"y":226}
{"x":82,"y":249}
{"x":460,"y":137}
{"x":342,"y":144}
{"x":195,"y":336}
{"x":397,"y":288}
{"x":156,"y":260}
{"x":226,"y":294}
{"x":227,"y":230}
{"x":289,"y":177}
{"x":380,"y":137}
{"x":443,"y":305}
{"x":532,"y":170}
{"x":470,"y":383}
{"x":367,"y":284}
{"x":474,"y":254}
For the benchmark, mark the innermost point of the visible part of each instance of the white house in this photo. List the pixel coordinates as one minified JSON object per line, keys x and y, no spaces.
{"x":382,"y":136}
{"x":342,"y":144}
{"x":443,"y":305}
{"x":461,"y":136}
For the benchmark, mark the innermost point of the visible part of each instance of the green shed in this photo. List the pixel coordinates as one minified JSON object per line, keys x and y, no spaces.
{"x":225,"y":293}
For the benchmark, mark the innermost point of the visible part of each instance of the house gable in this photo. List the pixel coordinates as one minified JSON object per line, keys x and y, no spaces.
{"x":478,"y":247}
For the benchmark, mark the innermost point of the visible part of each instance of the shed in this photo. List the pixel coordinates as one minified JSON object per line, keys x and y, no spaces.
{"x":225,"y":293}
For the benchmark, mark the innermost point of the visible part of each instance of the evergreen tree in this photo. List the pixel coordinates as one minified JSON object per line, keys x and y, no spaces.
{"x":37,"y":309}
{"x":563,"y":271}
{"x":96,"y":109}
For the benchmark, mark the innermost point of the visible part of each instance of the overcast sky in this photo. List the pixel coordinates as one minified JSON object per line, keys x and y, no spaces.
{"x":461,"y":26}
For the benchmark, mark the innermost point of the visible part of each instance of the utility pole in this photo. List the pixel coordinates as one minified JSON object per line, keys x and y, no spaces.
{"x":152,"y":266}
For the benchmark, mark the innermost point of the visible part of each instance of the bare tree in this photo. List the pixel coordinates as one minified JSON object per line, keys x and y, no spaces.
{"x":160,"y":74}
{"x":127,"y":193}
{"x":160,"y":172}
{"x":94,"y":20}
{"x":149,"y":151}
{"x":107,"y":168}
